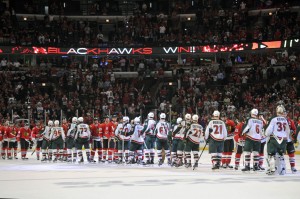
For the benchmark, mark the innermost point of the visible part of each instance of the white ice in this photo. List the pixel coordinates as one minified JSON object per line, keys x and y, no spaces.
{"x":32,"y":179}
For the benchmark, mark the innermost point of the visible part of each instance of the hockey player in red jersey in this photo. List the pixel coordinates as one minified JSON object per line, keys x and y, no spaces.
{"x":113,"y":151}
{"x":290,"y":148}
{"x":37,"y":137}
{"x":240,"y":142}
{"x":11,"y":133}
{"x":262,"y":144}
{"x":24,"y":135}
{"x":65,"y":125}
{"x":96,"y":140}
{"x":228,"y":143}
{"x":105,"y":131}
{"x":3,"y":139}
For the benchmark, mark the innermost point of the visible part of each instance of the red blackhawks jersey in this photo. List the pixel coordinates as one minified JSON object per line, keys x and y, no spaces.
{"x":25,"y":133}
{"x":65,"y":127}
{"x":239,"y":139}
{"x":12,"y":133}
{"x":113,"y":128}
{"x":293,"y":128}
{"x":95,"y":131}
{"x":37,"y":132}
{"x":2,"y":133}
{"x":106,"y":130}
{"x":230,"y":125}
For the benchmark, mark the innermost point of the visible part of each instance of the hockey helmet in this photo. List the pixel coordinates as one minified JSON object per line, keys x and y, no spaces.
{"x":50,"y":123}
{"x":80,"y":119}
{"x":179,"y":120}
{"x":56,"y":122}
{"x":74,"y":119}
{"x":254,"y":112}
{"x":162,"y":116}
{"x":195,"y":118}
{"x":216,"y":113}
{"x":150,"y":115}
{"x":280,"y":109}
{"x":188,"y":117}
{"x":137,"y":120}
{"x":125,"y":119}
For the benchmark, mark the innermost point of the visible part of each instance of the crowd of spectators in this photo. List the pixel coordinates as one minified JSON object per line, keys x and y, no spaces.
{"x":212,"y":24}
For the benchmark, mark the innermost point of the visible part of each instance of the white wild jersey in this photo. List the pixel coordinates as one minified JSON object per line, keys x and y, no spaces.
{"x":279,"y":127}
{"x":180,"y":134}
{"x":72,"y":130}
{"x":253,"y":129}
{"x":83,"y":131}
{"x":57,"y":132}
{"x":123,"y":129}
{"x":150,"y":126}
{"x":138,"y":136}
{"x":218,"y":128}
{"x":46,"y":133}
{"x":194,"y":133}
{"x":162,"y":129}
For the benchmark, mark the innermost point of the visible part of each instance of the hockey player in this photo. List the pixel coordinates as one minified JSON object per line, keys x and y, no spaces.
{"x":113,"y":143}
{"x":161,"y":131}
{"x":57,"y":136}
{"x":278,"y":131}
{"x":11,"y":132}
{"x":215,"y":134}
{"x":112,"y":140}
{"x":24,"y":135}
{"x":240,"y":142}
{"x":3,"y":138}
{"x":228,"y":143}
{"x":37,"y":137}
{"x":122,"y":133}
{"x":252,"y":129}
{"x":65,"y":125}
{"x":193,"y":140}
{"x":137,"y":141}
{"x":149,"y":127}
{"x":96,"y":140}
{"x":82,"y":139}
{"x":180,"y":133}
{"x":70,"y":141}
{"x":175,"y":140}
{"x":105,"y":131}
{"x":46,"y":145}
{"x":290,"y":148}
{"x":262,"y":144}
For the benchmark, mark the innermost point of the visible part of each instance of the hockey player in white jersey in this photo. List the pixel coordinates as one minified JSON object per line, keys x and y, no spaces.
{"x":71,"y":142}
{"x":82,"y":139}
{"x":57,"y":138}
{"x":215,"y":134}
{"x":122,"y":134}
{"x":137,"y":141}
{"x":278,"y":131}
{"x":253,"y":130}
{"x":192,"y":142}
{"x":149,"y":127}
{"x":46,"y":145}
{"x":161,"y":130}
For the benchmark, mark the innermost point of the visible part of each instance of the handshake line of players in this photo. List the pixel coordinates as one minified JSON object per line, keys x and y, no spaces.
{"x":130,"y":141}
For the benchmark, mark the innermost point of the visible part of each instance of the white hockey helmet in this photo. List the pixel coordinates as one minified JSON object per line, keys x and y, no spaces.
{"x":80,"y":119}
{"x":254,"y":112}
{"x":162,"y":116}
{"x":188,"y":117}
{"x":56,"y":122}
{"x":195,"y":118}
{"x":125,"y":119}
{"x":216,"y":113}
{"x":280,"y":109}
{"x":50,"y":123}
{"x":179,"y":120}
{"x":150,"y":115}
{"x":74,"y":120}
{"x":137,"y":120}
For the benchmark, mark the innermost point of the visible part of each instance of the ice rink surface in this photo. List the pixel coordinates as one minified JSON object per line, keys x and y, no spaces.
{"x":32,"y":179}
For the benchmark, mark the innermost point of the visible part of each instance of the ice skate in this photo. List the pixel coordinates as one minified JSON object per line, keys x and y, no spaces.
{"x":160,"y":162}
{"x":9,"y":158}
{"x":246,"y":169}
{"x":188,"y":165}
{"x":294,"y":170}
{"x":195,"y":165}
